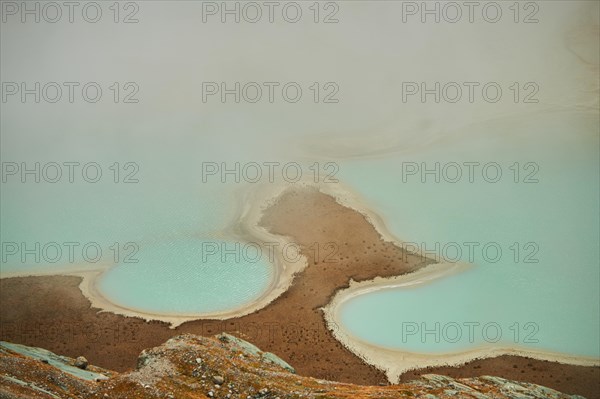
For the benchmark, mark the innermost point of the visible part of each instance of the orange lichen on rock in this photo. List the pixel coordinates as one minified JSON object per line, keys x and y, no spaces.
{"x":226,"y":367}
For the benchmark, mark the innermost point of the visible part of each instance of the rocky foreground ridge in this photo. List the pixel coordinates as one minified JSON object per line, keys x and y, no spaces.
{"x":190,"y":366}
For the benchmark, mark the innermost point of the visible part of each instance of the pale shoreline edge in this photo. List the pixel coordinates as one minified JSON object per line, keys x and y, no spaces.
{"x":253,"y":202}
{"x":396,"y":362}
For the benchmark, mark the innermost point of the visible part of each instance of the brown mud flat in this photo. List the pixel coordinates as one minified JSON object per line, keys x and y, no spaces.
{"x":339,"y":243}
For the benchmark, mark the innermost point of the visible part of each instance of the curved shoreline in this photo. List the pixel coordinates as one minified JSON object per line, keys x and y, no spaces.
{"x":246,"y":226}
{"x":293,"y":325}
{"x":395,"y":362}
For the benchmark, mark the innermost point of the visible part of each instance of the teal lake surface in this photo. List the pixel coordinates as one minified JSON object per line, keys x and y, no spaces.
{"x":542,"y":292}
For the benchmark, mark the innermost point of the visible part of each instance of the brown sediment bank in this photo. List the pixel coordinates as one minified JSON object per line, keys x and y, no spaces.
{"x":51,"y":312}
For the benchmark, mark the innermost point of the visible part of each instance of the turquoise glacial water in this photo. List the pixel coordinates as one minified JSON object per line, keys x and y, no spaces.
{"x":180,"y":276}
{"x":171,"y":131}
{"x":151,"y":233}
{"x":552,"y":304}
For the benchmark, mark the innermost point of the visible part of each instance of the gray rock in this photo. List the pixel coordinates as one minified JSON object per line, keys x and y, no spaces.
{"x":81,"y":362}
{"x":251,"y":350}
{"x":244,"y":346}
{"x":143,"y":359}
{"x":272,"y":358}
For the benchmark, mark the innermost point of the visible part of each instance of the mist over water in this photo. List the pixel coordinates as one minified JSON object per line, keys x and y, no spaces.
{"x":370,"y":133}
{"x":533,"y":246}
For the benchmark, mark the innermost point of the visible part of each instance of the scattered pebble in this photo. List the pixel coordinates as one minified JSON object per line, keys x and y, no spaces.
{"x":217,"y":379}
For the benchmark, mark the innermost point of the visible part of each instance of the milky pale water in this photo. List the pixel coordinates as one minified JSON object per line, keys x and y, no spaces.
{"x":170,"y":212}
{"x":155,"y":234}
{"x":180,"y":277}
{"x":541,"y":292}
